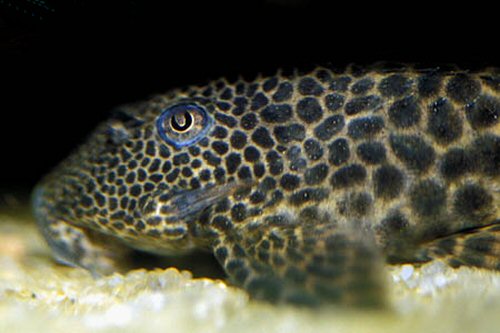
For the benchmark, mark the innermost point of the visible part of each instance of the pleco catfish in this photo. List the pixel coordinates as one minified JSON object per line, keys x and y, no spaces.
{"x":303,"y":184}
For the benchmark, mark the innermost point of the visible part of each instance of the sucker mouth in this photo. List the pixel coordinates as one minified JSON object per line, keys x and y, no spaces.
{"x":184,"y":204}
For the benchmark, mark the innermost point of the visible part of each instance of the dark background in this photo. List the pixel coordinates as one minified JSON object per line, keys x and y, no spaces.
{"x":63,"y":67}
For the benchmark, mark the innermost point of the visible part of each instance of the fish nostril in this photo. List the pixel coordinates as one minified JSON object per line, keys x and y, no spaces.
{"x":117,"y":134}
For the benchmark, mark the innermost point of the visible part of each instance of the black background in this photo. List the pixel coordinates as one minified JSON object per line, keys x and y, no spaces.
{"x":62,"y":71}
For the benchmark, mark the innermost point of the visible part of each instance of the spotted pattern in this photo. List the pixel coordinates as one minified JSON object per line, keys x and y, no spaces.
{"x":288,"y":161}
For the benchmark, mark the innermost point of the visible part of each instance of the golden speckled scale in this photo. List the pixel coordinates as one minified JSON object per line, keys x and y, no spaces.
{"x":301,"y":183}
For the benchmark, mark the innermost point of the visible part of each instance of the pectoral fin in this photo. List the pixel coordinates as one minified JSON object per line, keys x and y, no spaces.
{"x":308,"y":267}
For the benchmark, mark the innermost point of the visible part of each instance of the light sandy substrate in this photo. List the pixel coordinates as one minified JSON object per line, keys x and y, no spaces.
{"x":37,"y":295}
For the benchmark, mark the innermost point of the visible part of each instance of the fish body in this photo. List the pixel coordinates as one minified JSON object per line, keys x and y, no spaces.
{"x":302,"y":183}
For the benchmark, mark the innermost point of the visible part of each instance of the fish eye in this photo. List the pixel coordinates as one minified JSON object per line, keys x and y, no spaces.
{"x":183,"y":125}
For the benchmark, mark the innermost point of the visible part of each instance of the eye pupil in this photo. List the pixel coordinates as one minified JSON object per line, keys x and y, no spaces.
{"x":181,"y":122}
